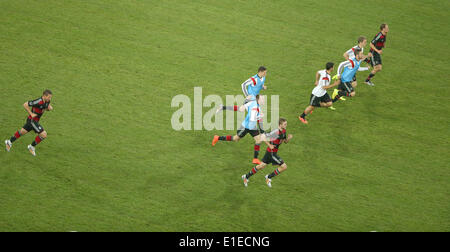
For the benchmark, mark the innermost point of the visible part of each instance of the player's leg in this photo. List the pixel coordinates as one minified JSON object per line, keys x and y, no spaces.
{"x":253,"y":171}
{"x":39,"y":138}
{"x":306,"y":112}
{"x":257,"y":147}
{"x":326,"y":102}
{"x":341,"y":93}
{"x":227,"y":138}
{"x":267,"y":159}
{"x":371,"y":75}
{"x":345,"y":89}
{"x":377,"y":66}
{"x":23,"y":131}
{"x":235,"y":107}
{"x":354,"y":83}
{"x":16,"y":136}
{"x":232,"y":108}
{"x":240,"y":134}
{"x":336,"y":92}
{"x":281,"y":168}
{"x":261,"y":126}
{"x":42,"y":134}
{"x":276,"y":172}
{"x":313,"y":102}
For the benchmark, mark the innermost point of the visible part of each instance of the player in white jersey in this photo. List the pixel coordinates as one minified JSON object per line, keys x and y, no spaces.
{"x":319,"y":95}
{"x":350,"y":54}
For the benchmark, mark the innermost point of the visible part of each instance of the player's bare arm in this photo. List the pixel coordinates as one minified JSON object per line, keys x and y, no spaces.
{"x":334,"y":84}
{"x":289,"y":137}
{"x":28,"y":109}
{"x":346,"y":56}
{"x":269,"y":145}
{"x":375,"y":49}
{"x":364,"y":57}
{"x":265,"y":138}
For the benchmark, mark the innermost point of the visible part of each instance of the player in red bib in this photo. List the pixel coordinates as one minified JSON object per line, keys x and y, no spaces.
{"x":276,"y":138}
{"x":376,"y":49}
{"x":35,"y":109}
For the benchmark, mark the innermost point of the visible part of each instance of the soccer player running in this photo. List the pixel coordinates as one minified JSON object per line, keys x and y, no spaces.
{"x":35,"y":109}
{"x":276,"y":138}
{"x":249,"y":125}
{"x":376,"y":48}
{"x":350,"y":67}
{"x":319,"y":96}
{"x":251,"y":88}
{"x":350,"y":54}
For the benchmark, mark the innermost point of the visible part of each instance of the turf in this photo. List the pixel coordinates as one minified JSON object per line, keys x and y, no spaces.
{"x":112,"y":161}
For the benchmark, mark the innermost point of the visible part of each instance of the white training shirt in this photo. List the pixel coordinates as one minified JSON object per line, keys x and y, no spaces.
{"x":324,"y":80}
{"x":351,"y":51}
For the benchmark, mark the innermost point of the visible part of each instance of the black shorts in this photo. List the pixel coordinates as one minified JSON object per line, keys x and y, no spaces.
{"x":243,"y":131}
{"x":272,"y":158}
{"x":33,"y":125}
{"x":354,"y":78}
{"x":375,"y":59}
{"x":315,"y":100}
{"x":346,"y":86}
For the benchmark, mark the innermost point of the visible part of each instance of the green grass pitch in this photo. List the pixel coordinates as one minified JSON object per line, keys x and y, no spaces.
{"x":112,"y":161}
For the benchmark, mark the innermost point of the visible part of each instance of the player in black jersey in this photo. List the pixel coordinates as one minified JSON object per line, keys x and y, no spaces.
{"x":35,"y":109}
{"x":376,"y":48}
{"x":276,"y":138}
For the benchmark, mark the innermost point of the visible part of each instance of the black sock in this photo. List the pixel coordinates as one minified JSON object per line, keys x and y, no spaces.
{"x":15,"y":136}
{"x":225,"y":138}
{"x":232,"y":108}
{"x":370,"y":76}
{"x":256,"y":153}
{"x":36,"y":141}
{"x":274,"y":173}
{"x":303,"y":115}
{"x":251,"y":172}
